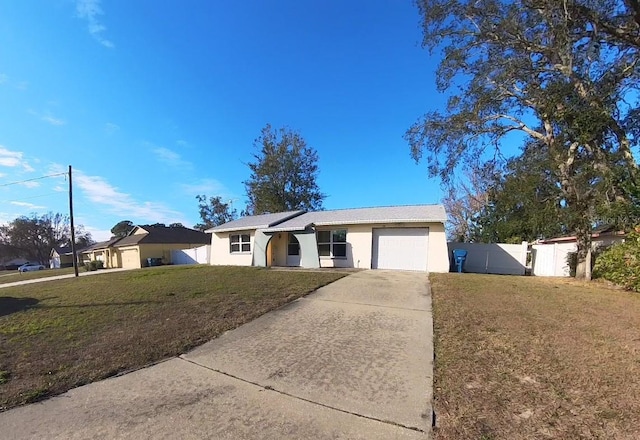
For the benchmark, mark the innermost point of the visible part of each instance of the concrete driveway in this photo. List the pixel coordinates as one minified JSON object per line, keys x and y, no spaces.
{"x":351,"y":361}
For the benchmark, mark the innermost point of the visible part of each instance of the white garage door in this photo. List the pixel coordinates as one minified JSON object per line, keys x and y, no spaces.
{"x":130,"y":259}
{"x":400,"y":248}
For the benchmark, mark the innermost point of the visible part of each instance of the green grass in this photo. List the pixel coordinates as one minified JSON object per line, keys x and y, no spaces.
{"x":61,"y":334}
{"x":10,"y":276}
{"x":533,"y":358}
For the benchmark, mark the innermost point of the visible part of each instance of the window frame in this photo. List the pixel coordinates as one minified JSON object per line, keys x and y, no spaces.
{"x":290,"y":243}
{"x":238,"y":239}
{"x":331,"y":243}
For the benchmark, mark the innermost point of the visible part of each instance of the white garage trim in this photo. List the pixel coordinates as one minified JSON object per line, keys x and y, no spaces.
{"x":400,"y":248}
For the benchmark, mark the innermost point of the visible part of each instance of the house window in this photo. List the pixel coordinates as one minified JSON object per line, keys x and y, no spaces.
{"x":240,"y":243}
{"x":332,"y":243}
{"x":293,"y":247}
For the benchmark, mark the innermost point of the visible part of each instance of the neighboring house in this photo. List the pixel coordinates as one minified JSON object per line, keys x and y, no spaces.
{"x":102,"y":251}
{"x":62,"y":257}
{"x":602,"y":236}
{"x":551,"y":257}
{"x":395,"y":237}
{"x":144,"y":242}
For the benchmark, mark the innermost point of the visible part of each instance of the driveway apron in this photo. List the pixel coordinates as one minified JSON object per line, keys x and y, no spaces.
{"x":353,"y":360}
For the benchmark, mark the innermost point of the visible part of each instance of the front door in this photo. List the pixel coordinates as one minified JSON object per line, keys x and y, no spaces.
{"x":293,"y":251}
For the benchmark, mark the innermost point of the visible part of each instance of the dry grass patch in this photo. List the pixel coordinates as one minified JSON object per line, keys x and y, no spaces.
{"x":60,"y":334}
{"x":535,"y":358}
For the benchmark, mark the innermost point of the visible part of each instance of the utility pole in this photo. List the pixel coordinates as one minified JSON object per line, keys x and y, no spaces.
{"x":73,"y":229}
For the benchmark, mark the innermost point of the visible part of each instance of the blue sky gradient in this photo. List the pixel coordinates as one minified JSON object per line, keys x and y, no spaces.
{"x":155,"y":102}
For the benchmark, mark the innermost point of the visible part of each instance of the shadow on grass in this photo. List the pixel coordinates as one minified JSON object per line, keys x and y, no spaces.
{"x":9,"y":304}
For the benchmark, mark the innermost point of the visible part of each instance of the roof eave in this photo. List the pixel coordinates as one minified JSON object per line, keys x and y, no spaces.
{"x":380,"y":221}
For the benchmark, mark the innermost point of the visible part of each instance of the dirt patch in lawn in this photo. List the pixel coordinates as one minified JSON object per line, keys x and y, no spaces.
{"x":535,"y":358}
{"x":61,"y":334}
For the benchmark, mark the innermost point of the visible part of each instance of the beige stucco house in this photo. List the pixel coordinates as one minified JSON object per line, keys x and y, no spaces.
{"x":395,"y":237}
{"x":144,"y":242}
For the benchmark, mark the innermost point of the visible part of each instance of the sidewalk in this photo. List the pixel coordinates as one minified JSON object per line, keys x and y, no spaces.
{"x":60,"y":277}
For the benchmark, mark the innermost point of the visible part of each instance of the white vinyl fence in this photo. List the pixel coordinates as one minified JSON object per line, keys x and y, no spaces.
{"x":199,"y":255}
{"x":495,"y":258}
{"x":550,"y":260}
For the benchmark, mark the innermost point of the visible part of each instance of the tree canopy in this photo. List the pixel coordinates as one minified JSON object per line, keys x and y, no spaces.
{"x":122,"y":228}
{"x":283,"y":174}
{"x":523,"y":202}
{"x":564,"y":74}
{"x":34,"y":237}
{"x":213,"y":212}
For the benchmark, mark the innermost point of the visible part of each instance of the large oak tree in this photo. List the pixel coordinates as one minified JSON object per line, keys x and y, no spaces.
{"x":563,"y":73}
{"x":33,"y":237}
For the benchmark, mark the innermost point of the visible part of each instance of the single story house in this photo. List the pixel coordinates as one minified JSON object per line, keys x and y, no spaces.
{"x":144,"y":242}
{"x":62,"y":257}
{"x":602,"y":236}
{"x":394,"y":237}
{"x":102,"y":251}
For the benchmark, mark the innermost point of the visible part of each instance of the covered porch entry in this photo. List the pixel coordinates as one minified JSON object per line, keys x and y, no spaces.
{"x":287,"y":248}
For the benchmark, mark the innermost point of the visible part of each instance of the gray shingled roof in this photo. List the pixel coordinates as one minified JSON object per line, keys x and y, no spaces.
{"x":164,"y":235}
{"x":255,"y":222}
{"x":384,"y":214}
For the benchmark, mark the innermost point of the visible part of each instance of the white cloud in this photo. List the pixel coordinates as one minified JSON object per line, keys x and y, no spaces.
{"x":6,"y":80}
{"x":98,"y":234}
{"x":170,"y":157}
{"x":110,"y":127}
{"x":31,"y":184}
{"x":53,"y":120}
{"x":27,"y":205}
{"x":2,"y":174}
{"x":47,"y":117}
{"x":59,"y":188}
{"x":90,"y":10}
{"x":98,"y":190}
{"x":209,"y":187}
{"x":13,"y":159}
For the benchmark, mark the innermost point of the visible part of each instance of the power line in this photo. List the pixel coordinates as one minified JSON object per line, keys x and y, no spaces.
{"x":35,"y":178}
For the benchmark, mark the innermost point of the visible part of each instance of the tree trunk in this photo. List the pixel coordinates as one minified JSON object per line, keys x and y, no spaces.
{"x":583,"y":265}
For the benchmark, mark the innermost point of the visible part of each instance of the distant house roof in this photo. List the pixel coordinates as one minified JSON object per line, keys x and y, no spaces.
{"x":599,"y":232}
{"x":255,"y":221}
{"x":356,"y":216}
{"x":66,"y":250}
{"x":163,"y":235}
{"x":62,"y":250}
{"x":101,"y":245}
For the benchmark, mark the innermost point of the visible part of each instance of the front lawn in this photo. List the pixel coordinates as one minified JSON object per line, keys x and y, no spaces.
{"x":535,"y":358}
{"x":57,"y":335}
{"x":11,"y":276}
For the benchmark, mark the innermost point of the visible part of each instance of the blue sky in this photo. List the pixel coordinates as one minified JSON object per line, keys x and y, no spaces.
{"x":154,"y":102}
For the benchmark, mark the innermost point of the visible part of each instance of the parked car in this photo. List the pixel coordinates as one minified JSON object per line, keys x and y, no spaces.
{"x":28,"y":267}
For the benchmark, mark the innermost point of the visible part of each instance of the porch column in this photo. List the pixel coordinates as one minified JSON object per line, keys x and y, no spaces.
{"x":260,"y":243}
{"x":309,"y":257}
